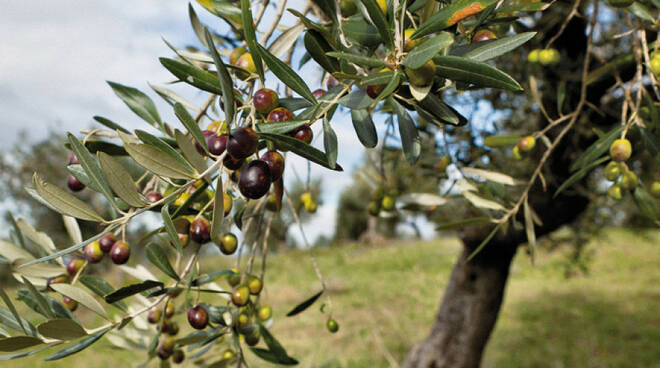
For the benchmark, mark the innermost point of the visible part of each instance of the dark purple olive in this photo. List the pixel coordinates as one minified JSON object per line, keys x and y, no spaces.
{"x":332,"y":82}
{"x":242,"y":143}
{"x":106,"y":242}
{"x":178,"y":356}
{"x":198,"y":317}
{"x":275,"y":162}
{"x":254,"y":181}
{"x":120,"y":252}
{"x":206,"y":134}
{"x":217,"y":144}
{"x":233,"y":163}
{"x":279,"y":114}
{"x":73,"y":266}
{"x":304,"y":133}
{"x":265,"y":100}
{"x":200,"y":231}
{"x":153,"y":196}
{"x":74,"y":184}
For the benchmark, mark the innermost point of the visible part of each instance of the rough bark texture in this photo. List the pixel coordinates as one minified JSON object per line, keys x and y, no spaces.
{"x":476,"y":288}
{"x":468,"y":312}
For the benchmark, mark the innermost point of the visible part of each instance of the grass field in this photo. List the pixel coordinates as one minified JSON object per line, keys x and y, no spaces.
{"x":385,"y":299}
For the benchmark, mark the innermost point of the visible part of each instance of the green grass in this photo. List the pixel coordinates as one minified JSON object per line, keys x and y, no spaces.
{"x":385,"y":299}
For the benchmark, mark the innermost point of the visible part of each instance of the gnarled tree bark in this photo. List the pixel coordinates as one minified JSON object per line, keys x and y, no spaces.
{"x":473,"y":298}
{"x":468,"y":312}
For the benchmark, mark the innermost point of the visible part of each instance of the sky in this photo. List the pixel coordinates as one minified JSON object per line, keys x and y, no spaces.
{"x":57,"y":55}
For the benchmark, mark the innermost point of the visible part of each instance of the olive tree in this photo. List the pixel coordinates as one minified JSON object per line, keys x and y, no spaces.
{"x":410,"y":61}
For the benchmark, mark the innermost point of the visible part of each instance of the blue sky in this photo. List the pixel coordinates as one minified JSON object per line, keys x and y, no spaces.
{"x":57,"y":55}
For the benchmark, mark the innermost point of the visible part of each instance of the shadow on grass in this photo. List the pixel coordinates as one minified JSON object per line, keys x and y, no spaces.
{"x":570,"y":329}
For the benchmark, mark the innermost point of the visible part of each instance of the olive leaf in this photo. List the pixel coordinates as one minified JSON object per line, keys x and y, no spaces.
{"x":360,"y":60}
{"x":18,"y":343}
{"x":364,"y":127}
{"x":304,"y":305}
{"x":190,"y":124}
{"x":120,"y":180}
{"x":427,"y":50}
{"x":597,"y":148}
{"x":286,"y":74}
{"x":330,"y":143}
{"x":12,"y":309}
{"x":78,"y":346}
{"x":82,"y":297}
{"x":450,"y":15}
{"x":157,"y":161}
{"x":300,"y":148}
{"x":130,"y":290}
{"x":138,"y":102}
{"x":378,"y":19}
{"x":226,"y":85}
{"x":474,"y":72}
{"x":410,"y":140}
{"x":64,"y":202}
{"x":250,"y":37}
{"x":61,"y":329}
{"x":91,"y":167}
{"x":157,"y":256}
{"x":101,"y":288}
{"x":193,"y":75}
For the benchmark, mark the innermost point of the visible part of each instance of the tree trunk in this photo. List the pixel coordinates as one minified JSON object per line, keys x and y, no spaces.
{"x":473,"y":298}
{"x":468,"y":311}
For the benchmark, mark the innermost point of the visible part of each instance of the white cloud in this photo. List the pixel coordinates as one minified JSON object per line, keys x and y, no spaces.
{"x":57,"y":56}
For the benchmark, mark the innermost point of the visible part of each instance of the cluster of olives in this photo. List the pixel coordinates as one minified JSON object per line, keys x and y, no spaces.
{"x":254,"y":176}
{"x":308,"y":202}
{"x":199,"y":231}
{"x":267,"y":103}
{"x":167,"y":348}
{"x":618,"y":172}
{"x":118,"y":250}
{"x":163,"y":318}
{"x":382,"y":200}
{"x":545,"y":57}
{"x":524,"y":146}
{"x":93,"y":252}
{"x":247,"y":311}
